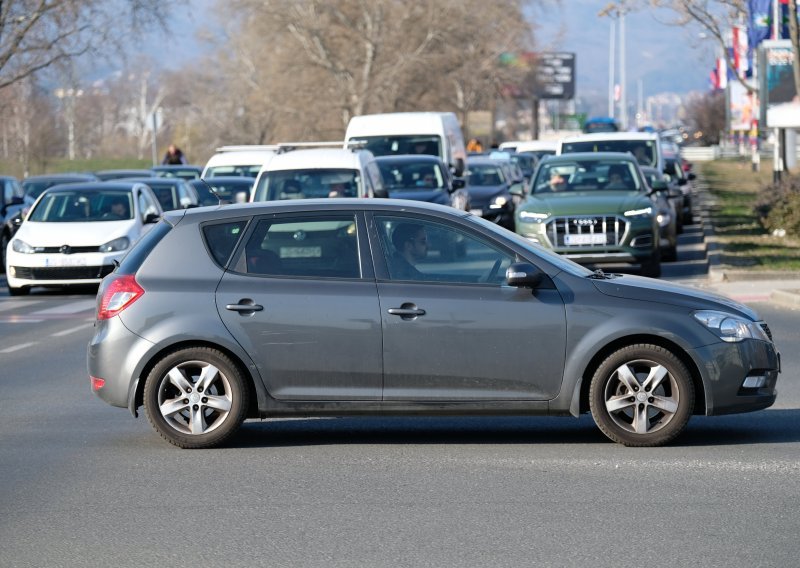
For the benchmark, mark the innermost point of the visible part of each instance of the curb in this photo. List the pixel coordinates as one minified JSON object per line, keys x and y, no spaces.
{"x":787,"y":297}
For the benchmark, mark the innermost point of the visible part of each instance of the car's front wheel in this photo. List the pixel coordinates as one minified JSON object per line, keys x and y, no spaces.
{"x":195,"y":397}
{"x":641,"y":395}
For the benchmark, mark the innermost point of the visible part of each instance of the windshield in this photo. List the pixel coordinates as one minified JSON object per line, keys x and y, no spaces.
{"x":411,"y":175}
{"x":589,"y":175}
{"x":643,"y":150}
{"x":394,"y":145}
{"x":34,"y":189}
{"x":229,"y":191}
{"x":485,"y":175}
{"x":242,"y":170}
{"x":307,"y":184}
{"x":83,"y":206}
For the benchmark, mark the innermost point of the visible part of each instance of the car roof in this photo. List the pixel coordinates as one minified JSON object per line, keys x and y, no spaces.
{"x":484,"y":160}
{"x":319,"y":159}
{"x":589,"y":156}
{"x":75,"y":176}
{"x":156,"y":180}
{"x":244,"y":180}
{"x":252,"y":156}
{"x":167,"y":167}
{"x":409,"y":159}
{"x":95,"y":186}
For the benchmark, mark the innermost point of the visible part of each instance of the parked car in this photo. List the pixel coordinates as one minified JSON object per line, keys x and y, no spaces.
{"x":223,"y":189}
{"x":300,"y":308}
{"x":422,"y":178}
{"x":108,"y":175}
{"x":576,"y":208}
{"x":75,"y":233}
{"x":12,"y":203}
{"x":183,"y":171}
{"x":300,"y":172}
{"x":172,"y":193}
{"x":490,"y":189}
{"x":34,"y":186}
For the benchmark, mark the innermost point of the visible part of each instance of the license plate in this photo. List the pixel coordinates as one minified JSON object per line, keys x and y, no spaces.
{"x":591,"y":239}
{"x":478,"y":212}
{"x":66,"y":261}
{"x":301,"y":252}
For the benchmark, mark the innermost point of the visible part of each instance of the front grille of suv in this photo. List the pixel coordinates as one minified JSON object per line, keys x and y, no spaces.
{"x":63,"y":273}
{"x":582,"y":230}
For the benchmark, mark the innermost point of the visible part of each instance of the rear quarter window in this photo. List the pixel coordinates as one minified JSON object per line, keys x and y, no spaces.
{"x":221,"y":239}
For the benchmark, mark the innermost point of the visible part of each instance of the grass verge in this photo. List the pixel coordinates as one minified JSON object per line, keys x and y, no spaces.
{"x":745,"y":244}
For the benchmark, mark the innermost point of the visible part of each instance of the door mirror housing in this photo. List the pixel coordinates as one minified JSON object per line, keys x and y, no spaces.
{"x":524,"y":275}
{"x":381,"y":192}
{"x":517,"y":189}
{"x":659,"y":185}
{"x":459,"y":183}
{"x":151,"y":218}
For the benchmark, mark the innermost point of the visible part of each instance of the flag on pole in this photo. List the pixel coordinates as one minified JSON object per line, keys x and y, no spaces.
{"x":759,"y":21}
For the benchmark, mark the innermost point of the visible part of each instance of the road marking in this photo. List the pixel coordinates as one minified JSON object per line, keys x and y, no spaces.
{"x":17,"y":347}
{"x":71,"y":308}
{"x":12,"y":305}
{"x":72,"y":330}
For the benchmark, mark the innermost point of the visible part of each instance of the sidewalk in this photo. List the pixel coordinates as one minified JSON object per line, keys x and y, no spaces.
{"x":741,"y":285}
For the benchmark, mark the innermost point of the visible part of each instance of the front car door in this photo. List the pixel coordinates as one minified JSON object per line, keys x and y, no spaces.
{"x":301,"y":300}
{"x":452,"y":330}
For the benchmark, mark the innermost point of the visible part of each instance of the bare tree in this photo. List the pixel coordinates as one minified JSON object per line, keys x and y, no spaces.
{"x":35,"y":34}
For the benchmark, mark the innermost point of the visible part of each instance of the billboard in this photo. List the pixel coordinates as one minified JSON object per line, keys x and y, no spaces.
{"x":555,"y":75}
{"x":776,"y":74}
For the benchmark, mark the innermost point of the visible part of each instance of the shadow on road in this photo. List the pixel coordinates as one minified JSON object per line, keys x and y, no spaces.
{"x":765,"y":427}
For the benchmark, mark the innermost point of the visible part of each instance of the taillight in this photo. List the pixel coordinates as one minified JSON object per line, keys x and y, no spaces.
{"x":97,"y":383}
{"x":118,"y":295}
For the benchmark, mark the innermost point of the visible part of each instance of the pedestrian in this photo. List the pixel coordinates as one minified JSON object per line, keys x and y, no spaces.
{"x":174,"y":156}
{"x":474,"y":145}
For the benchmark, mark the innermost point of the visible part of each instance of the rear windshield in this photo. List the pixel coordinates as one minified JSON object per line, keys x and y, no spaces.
{"x":307,"y":184}
{"x":132,"y":261}
{"x":395,"y":145}
{"x":244,"y":170}
{"x":643,"y":150}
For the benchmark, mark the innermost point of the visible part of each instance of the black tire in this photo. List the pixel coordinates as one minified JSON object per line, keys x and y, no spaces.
{"x":641,"y":395}
{"x":4,"y":240}
{"x":18,"y":291}
{"x":652,"y":266}
{"x":174,"y":398}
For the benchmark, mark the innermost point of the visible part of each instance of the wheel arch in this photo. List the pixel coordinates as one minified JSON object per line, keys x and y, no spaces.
{"x":619,"y":343}
{"x":250,"y":380}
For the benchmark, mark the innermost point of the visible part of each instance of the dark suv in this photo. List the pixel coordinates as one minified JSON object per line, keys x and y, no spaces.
{"x":340,"y":307}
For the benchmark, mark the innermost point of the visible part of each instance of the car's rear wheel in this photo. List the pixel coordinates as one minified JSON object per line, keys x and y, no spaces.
{"x":641,"y":395}
{"x":195,"y":397}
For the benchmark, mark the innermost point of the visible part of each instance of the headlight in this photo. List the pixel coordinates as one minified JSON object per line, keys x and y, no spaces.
{"x":639,"y":212}
{"x":21,"y":246}
{"x":531,"y":217}
{"x":498,"y":202}
{"x":116,"y":245}
{"x":663,"y":219}
{"x":731,"y":328}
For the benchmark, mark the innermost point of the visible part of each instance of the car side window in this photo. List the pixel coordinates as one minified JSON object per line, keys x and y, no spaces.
{"x":428,"y":251}
{"x":316,"y":246}
{"x":221,"y":239}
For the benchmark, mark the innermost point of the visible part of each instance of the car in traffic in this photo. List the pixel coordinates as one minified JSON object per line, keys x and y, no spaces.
{"x":305,"y":171}
{"x":109,"y":175}
{"x":490,"y":191}
{"x":422,"y":178}
{"x":667,"y":201}
{"x":644,"y":146}
{"x":302,"y":308}
{"x":34,"y":186}
{"x":183,"y":171}
{"x":171,"y":192}
{"x":681,"y":180}
{"x":595,"y":208}
{"x":75,"y":233}
{"x":246,"y":160}
{"x":12,"y":203}
{"x":219,"y":190}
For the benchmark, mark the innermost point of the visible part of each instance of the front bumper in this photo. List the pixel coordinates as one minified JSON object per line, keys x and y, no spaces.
{"x":26,"y":270}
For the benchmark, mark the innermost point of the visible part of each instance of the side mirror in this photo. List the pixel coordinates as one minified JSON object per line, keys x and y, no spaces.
{"x":517,"y":189}
{"x":151,"y":218}
{"x":682,"y":181}
{"x":16,"y":200}
{"x":658,"y":185}
{"x":524,"y":275}
{"x":459,"y":183}
{"x":458,"y":171}
{"x":691,"y":176}
{"x":380,"y":192}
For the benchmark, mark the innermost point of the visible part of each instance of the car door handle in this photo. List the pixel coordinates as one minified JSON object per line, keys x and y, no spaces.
{"x":246,"y":306}
{"x":406,"y":311}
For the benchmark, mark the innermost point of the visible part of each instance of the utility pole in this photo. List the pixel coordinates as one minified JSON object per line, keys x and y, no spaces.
{"x":611,"y":64}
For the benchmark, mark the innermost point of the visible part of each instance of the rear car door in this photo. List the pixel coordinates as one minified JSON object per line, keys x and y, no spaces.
{"x":301,"y":300}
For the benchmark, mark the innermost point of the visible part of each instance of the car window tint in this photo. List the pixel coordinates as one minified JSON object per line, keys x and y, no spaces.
{"x":221,"y":239}
{"x":305,"y":246}
{"x":422,"y":250}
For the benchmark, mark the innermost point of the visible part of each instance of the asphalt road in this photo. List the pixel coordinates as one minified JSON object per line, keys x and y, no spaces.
{"x":85,"y":484}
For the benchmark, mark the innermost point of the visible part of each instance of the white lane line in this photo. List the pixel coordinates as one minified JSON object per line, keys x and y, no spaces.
{"x":17,"y":347}
{"x":12,"y":305}
{"x":72,"y":330}
{"x":70,"y":308}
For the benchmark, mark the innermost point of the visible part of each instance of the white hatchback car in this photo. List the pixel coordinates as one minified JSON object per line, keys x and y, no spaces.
{"x":75,"y":233}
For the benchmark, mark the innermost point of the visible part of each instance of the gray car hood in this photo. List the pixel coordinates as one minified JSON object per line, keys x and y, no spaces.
{"x":652,"y":290}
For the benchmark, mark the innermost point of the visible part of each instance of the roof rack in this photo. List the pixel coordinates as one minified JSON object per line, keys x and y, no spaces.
{"x":249,"y":148}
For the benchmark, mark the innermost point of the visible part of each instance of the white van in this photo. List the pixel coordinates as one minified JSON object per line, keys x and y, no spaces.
{"x":645,"y":146}
{"x":435,"y":133}
{"x":238,"y":161}
{"x":302,"y":171}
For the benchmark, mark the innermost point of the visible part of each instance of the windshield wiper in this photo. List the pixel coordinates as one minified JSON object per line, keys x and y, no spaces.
{"x":600,"y":275}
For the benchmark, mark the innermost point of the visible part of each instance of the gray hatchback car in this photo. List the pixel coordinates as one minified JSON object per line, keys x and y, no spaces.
{"x":355,"y":307}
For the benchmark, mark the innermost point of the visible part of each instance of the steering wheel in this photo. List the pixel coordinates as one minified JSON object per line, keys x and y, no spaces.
{"x":490,"y":275}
